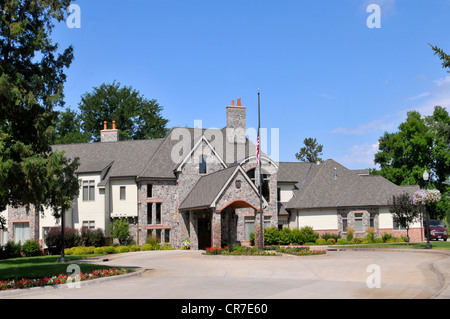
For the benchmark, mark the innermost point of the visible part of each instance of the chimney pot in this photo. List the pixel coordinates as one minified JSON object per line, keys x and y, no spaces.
{"x":232,"y":103}
{"x":114,"y":125}
{"x":238,"y":102}
{"x":105,"y":125}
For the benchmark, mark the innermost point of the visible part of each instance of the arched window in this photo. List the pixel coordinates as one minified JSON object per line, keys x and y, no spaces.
{"x":253,"y":174}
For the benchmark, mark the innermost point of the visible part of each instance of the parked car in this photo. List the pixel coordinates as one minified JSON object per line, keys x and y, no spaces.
{"x":437,"y":230}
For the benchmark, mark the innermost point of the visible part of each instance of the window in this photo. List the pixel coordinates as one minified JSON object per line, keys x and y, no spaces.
{"x":252,"y":173}
{"x":88,"y":190}
{"x":3,"y":236}
{"x":149,"y":213}
{"x":21,"y":232}
{"x":397,"y":225}
{"x":158,"y":213}
{"x":166,"y":236}
{"x":122,"y":193}
{"x":266,"y":221}
{"x":249,"y":226}
{"x":372,"y":220}
{"x":358,"y":223}
{"x":89,"y":224}
{"x":344,"y":222}
{"x":149,"y":190}
{"x":202,"y":164}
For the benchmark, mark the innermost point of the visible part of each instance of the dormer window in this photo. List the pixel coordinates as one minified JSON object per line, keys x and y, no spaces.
{"x":202,"y":164}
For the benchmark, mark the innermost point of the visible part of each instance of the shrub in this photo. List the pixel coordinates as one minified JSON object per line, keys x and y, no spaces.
{"x":11,"y":250}
{"x":327,"y":236}
{"x":271,"y":236}
{"x":79,"y":250}
{"x":146,"y":247}
{"x":298,"y":237}
{"x":91,"y":237}
{"x":321,"y":241}
{"x":357,"y":240}
{"x":400,"y":240}
{"x":378,"y":240}
{"x":386,"y":237}
{"x":31,"y":248}
{"x":285,"y":236}
{"x":370,"y":235}
{"x":350,"y":233}
{"x":121,"y":231}
{"x":310,"y":235}
{"x":331,"y":241}
{"x":123,"y":249}
{"x":153,"y":242}
{"x":109,"y":250}
{"x":99,"y":251}
{"x":53,"y":239}
{"x":342,"y":241}
{"x":68,"y":251}
{"x":167,"y":246}
{"x":135,"y":248}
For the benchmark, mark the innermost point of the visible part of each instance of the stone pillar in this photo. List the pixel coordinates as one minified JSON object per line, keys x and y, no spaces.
{"x":258,"y":234}
{"x":216,"y":229}
{"x":193,"y":230}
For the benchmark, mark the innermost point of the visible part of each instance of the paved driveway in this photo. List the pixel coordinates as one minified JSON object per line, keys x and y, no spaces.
{"x":338,"y":274}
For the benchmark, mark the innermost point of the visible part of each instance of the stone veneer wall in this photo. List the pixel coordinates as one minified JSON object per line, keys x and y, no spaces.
{"x":171,"y":194}
{"x":21,"y":215}
{"x":366,"y":213}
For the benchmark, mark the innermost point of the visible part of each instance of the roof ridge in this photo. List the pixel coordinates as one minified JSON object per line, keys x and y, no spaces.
{"x":156,"y":152}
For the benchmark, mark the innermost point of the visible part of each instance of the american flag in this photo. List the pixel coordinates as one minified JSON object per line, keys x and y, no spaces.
{"x":257,"y":150}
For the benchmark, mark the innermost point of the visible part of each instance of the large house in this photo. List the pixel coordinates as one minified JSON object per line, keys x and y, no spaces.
{"x":200,"y":184}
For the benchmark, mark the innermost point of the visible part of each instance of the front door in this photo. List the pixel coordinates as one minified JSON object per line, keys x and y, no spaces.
{"x":204,"y":232}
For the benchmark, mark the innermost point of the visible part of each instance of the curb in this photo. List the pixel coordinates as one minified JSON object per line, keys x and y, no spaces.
{"x":81,"y":284}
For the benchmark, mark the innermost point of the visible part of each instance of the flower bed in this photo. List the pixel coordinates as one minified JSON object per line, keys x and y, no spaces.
{"x":61,"y":279}
{"x":267,"y":251}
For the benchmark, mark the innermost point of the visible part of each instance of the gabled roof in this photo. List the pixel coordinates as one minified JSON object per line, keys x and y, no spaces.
{"x":210,"y":187}
{"x":125,"y":158}
{"x":153,"y":159}
{"x":331,"y":185}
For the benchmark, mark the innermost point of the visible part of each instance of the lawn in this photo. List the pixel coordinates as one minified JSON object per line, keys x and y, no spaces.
{"x":39,"y":267}
{"x":420,"y":245}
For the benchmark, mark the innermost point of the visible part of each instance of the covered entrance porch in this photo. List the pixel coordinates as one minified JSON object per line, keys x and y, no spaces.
{"x":216,"y":207}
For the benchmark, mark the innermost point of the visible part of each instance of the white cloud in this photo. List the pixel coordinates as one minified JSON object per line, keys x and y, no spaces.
{"x":439,"y":95}
{"x":359,"y":156}
{"x":421,"y":95}
{"x":366,"y":128}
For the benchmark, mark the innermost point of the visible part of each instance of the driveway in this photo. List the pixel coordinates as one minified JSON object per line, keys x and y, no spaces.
{"x":345,"y":274}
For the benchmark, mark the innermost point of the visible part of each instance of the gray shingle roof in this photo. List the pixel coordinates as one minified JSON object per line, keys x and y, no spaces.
{"x":207,"y":188}
{"x":322,"y":190}
{"x":128,"y":158}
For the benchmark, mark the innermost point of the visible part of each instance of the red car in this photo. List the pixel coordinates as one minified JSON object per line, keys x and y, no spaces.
{"x":437,"y":230}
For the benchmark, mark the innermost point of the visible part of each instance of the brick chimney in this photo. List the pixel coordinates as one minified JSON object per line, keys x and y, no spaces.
{"x":109,"y":135}
{"x":236,"y":122}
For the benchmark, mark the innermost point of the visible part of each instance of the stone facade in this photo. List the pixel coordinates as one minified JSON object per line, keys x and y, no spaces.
{"x":28,"y":219}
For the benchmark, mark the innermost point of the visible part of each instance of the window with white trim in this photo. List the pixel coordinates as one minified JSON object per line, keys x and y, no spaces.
{"x":88,"y":190}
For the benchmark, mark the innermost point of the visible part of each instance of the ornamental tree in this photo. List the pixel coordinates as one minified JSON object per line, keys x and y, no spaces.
{"x":31,"y":88}
{"x":404,"y":211}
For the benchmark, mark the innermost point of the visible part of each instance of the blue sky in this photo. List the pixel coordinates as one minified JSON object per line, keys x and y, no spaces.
{"x":321,"y":71}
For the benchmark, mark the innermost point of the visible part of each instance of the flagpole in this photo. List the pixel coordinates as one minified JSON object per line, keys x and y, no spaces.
{"x":261,"y":218}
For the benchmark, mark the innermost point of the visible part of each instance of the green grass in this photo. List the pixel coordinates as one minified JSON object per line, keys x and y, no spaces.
{"x":421,"y":245}
{"x":39,"y":267}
